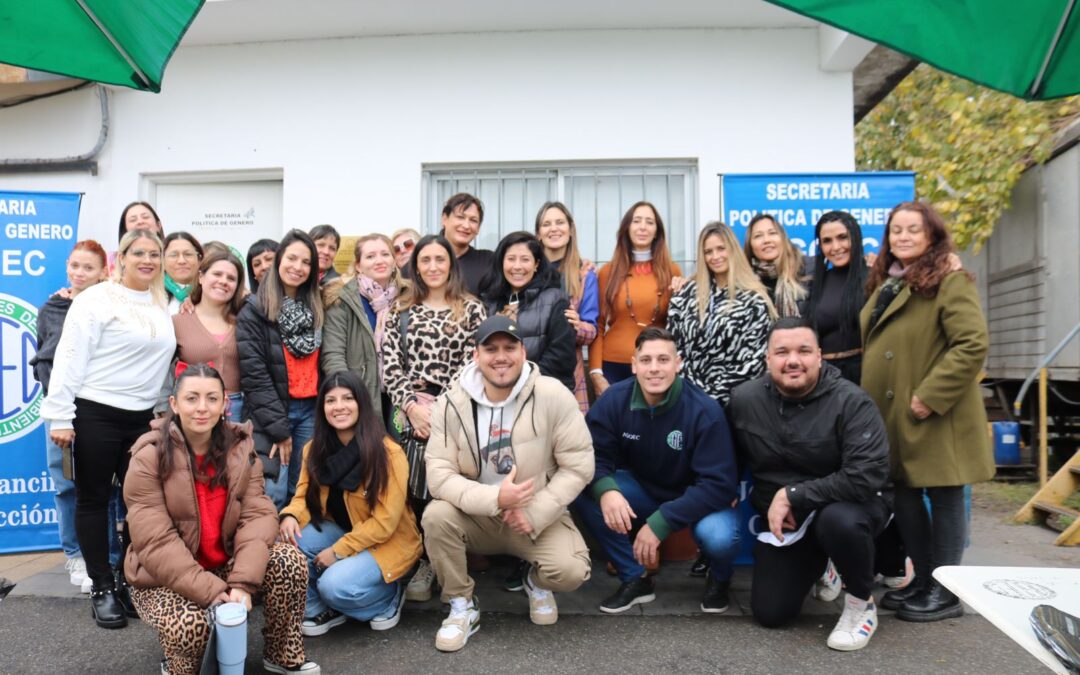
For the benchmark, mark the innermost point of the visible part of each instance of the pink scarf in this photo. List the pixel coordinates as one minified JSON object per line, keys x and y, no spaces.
{"x":381,"y":299}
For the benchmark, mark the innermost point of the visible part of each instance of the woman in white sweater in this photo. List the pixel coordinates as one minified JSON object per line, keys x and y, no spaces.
{"x":107,"y":374}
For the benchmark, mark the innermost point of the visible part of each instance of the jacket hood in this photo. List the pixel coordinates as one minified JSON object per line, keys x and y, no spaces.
{"x":57,"y":302}
{"x":829,"y":378}
{"x":472,"y":381}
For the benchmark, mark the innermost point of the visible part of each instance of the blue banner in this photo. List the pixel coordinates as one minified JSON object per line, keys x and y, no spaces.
{"x":38,"y":232}
{"x":796,"y":201}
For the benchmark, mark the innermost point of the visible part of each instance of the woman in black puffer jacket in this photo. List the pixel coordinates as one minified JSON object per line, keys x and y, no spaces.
{"x":523,"y":287}
{"x":278,"y":336}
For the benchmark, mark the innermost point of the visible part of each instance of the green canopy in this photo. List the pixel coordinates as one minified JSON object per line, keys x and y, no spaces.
{"x":1028,"y":48}
{"x":122,"y":42}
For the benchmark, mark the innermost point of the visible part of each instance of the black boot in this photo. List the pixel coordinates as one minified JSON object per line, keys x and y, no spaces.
{"x":894,"y":600}
{"x":106,"y":608}
{"x":123,"y":594}
{"x":933,"y":604}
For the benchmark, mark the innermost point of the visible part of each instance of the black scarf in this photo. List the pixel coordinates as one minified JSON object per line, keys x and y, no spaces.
{"x":889,"y":290}
{"x":341,"y":468}
{"x":296,"y":323}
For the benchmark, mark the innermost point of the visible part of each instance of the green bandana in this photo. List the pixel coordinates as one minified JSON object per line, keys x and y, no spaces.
{"x":178,"y":291}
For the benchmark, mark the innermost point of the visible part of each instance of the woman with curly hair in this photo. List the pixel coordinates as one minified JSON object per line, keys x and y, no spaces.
{"x":924,"y":340}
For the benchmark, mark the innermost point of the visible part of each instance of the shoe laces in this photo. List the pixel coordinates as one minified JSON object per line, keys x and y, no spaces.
{"x":459,"y":608}
{"x":852,"y":617}
{"x":426,"y":572}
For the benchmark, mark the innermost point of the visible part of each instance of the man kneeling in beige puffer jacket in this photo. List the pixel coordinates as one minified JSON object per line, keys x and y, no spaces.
{"x":509,"y":451}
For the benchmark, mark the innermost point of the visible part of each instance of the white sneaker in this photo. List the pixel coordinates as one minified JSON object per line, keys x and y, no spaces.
{"x":856,"y":625}
{"x":307,"y":668}
{"x":827,"y":588}
{"x":463,"y":622}
{"x":419,"y":588}
{"x":542,"y":608}
{"x":87,"y":585}
{"x":392,"y":616}
{"x":76,"y":568}
{"x":900,"y":582}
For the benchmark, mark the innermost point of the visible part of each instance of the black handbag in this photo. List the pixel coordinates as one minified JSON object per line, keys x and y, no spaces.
{"x":209,"y":660}
{"x":399,"y":427}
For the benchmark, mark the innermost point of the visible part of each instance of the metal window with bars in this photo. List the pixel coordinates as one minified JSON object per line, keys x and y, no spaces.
{"x":597,"y":194}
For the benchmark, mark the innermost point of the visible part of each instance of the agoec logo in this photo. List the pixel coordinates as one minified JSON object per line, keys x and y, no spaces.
{"x":20,"y":393}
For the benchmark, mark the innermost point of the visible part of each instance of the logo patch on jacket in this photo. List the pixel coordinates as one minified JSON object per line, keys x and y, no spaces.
{"x":675,"y":440}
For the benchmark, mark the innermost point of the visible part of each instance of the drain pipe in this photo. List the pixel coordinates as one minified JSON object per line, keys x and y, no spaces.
{"x":1042,"y":364}
{"x":84,"y":162}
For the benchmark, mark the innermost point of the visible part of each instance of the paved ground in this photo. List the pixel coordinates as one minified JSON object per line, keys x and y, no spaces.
{"x":45,"y":628}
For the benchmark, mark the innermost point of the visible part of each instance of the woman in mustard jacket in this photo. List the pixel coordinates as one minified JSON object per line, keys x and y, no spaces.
{"x":924,"y":341}
{"x":350,"y":516}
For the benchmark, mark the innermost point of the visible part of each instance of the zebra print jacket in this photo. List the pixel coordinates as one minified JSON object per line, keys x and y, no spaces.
{"x":724,"y":350}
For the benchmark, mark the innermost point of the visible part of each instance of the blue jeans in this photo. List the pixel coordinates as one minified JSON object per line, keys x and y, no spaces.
{"x":353,"y":586}
{"x":302,"y":428}
{"x":65,"y":498}
{"x":236,"y":407}
{"x":717,"y":534}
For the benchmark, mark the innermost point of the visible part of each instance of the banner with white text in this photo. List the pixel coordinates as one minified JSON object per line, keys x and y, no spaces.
{"x":796,"y":201}
{"x":38,"y":231}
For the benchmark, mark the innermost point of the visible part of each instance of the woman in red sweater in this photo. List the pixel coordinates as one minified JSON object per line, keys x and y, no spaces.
{"x":635,"y":288}
{"x":202,"y":531}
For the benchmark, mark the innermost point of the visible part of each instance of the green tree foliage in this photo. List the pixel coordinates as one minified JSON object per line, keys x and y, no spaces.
{"x":967,"y":144}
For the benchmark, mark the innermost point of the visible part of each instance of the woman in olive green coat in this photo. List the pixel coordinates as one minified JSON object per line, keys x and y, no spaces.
{"x":356,"y":310}
{"x":924,"y":342}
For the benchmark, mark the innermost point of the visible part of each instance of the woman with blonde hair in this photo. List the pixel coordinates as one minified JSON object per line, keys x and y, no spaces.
{"x":557,"y":232}
{"x":356,"y":312}
{"x":635,"y":288}
{"x":777,"y":263}
{"x":402,"y":243}
{"x":96,"y":395}
{"x":721,"y":317}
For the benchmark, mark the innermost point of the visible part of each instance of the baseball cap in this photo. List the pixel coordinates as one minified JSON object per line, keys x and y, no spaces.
{"x":496,"y":324}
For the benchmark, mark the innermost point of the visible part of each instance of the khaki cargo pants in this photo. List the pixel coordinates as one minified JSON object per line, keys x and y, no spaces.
{"x":559,"y":553}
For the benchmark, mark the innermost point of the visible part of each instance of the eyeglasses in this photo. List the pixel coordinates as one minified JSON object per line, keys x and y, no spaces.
{"x":186,"y":255}
{"x":139,"y":254}
{"x":404,"y":246}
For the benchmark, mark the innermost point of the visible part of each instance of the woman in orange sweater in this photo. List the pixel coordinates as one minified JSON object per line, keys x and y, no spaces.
{"x":635,"y":288}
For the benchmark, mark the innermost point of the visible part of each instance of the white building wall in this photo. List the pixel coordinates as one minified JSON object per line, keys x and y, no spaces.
{"x":351,"y":121}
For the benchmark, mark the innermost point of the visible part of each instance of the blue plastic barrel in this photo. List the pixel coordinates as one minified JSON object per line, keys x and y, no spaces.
{"x":1006,"y":442}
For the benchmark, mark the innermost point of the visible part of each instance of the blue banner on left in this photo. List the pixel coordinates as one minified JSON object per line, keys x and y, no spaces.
{"x":38,"y":232}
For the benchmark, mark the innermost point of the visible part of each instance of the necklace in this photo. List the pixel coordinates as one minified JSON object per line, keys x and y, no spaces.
{"x":630,"y":306}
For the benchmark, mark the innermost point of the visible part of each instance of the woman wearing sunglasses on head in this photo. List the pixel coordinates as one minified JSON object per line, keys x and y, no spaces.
{"x":403,"y":242}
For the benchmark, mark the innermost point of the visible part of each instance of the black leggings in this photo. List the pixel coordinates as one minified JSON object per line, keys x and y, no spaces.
{"x":935,"y":538}
{"x":783,"y":575}
{"x":103,"y":437}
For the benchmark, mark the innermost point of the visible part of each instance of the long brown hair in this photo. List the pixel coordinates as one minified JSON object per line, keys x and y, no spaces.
{"x":416,"y":293}
{"x":622,"y":259}
{"x":571,"y":262}
{"x":222,"y":437}
{"x":925,"y":275}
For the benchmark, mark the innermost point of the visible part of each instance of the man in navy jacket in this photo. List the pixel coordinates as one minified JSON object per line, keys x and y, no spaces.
{"x":664,"y":461}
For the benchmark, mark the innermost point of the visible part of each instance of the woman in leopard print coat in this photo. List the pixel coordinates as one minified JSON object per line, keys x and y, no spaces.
{"x":721,"y":318}
{"x":202,"y":531}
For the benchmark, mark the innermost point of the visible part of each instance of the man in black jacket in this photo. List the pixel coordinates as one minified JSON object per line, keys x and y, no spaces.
{"x":817,"y":449}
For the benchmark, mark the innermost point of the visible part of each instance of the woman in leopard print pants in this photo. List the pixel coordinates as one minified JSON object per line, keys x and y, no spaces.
{"x":202,"y":531}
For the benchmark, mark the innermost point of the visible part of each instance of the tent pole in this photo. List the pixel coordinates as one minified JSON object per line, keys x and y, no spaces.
{"x":116,"y":45}
{"x":1050,"y":51}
